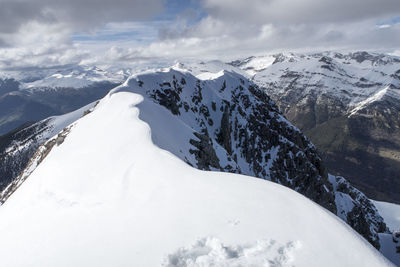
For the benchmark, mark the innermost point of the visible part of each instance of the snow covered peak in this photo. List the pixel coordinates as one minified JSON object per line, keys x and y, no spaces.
{"x":107,"y":195}
{"x":229,"y":124}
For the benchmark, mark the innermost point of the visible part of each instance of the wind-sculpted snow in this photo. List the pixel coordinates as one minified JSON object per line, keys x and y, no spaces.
{"x":107,"y":196}
{"x":229,"y":124}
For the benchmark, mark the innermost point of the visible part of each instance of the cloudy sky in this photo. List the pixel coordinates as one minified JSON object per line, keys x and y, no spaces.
{"x":57,"y":32}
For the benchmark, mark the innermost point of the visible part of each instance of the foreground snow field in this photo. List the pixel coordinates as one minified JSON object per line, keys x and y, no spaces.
{"x":107,"y":196}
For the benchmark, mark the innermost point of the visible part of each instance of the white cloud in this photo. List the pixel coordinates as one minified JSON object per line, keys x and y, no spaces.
{"x":239,"y":28}
{"x":39,"y":32}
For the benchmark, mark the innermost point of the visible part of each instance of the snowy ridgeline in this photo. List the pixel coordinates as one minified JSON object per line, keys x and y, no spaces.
{"x":107,"y":196}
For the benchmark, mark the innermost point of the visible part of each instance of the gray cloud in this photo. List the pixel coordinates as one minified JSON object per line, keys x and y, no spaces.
{"x":38,"y":32}
{"x":77,"y":14}
{"x":235,"y":27}
{"x":301,"y":11}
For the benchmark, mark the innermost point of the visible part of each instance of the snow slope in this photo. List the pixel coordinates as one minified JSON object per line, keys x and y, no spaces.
{"x":391,"y":213}
{"x":107,"y":196}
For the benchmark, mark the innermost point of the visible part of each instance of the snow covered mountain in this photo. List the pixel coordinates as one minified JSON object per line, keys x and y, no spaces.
{"x":347,"y":104}
{"x":105,"y":194}
{"x":228,"y":124}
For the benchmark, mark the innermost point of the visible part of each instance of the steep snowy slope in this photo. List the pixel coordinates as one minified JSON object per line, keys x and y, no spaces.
{"x":17,"y":147}
{"x":391,"y":213}
{"x":107,"y":196}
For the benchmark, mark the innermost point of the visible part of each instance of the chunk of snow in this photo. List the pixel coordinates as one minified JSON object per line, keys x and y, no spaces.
{"x":212,"y":252}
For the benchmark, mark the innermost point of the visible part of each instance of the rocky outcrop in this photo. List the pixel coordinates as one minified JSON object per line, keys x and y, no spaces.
{"x":359,"y":213}
{"x":29,"y":166}
{"x":16,"y":149}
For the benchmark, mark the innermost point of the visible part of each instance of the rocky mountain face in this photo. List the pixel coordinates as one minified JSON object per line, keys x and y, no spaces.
{"x":348,"y":105}
{"x":224,"y":122}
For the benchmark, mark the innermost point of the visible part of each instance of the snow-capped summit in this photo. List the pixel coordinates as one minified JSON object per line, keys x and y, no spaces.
{"x":110,"y":189}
